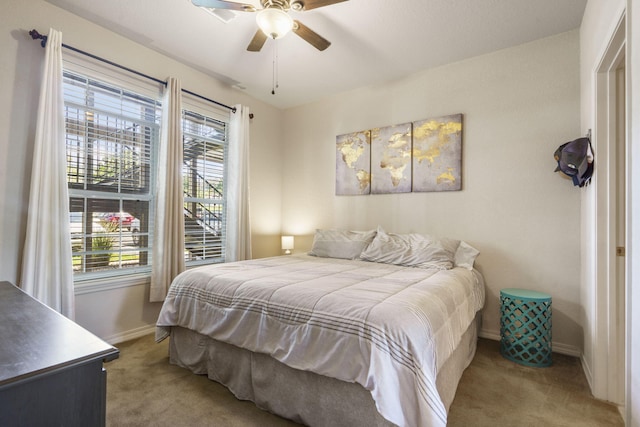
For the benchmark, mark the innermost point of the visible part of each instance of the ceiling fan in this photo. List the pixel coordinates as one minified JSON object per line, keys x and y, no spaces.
{"x":274,"y":21}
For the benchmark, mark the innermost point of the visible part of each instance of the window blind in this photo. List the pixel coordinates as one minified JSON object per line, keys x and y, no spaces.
{"x":111,"y":134}
{"x":205,"y":151}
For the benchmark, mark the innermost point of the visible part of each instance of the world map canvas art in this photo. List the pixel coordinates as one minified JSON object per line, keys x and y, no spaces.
{"x":353,"y":163}
{"x":391,"y":159}
{"x":422,"y":156}
{"x":437,"y":154}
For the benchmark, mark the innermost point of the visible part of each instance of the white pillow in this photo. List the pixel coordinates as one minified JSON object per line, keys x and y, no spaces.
{"x":465,"y":255}
{"x":340,"y":243}
{"x":411,"y":250}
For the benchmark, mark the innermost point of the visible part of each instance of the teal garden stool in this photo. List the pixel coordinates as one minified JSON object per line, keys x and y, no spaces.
{"x":525,"y":327}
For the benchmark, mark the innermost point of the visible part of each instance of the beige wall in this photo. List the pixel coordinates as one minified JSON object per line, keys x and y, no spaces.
{"x":122,"y":312}
{"x":519,"y":104}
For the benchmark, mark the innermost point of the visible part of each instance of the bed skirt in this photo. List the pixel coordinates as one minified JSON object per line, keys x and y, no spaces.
{"x":301,"y":396}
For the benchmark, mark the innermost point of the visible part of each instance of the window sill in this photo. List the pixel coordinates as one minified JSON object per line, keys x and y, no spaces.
{"x":110,"y":283}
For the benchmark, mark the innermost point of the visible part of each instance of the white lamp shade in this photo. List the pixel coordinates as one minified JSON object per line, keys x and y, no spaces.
{"x":287,"y":243}
{"x":274,"y":22}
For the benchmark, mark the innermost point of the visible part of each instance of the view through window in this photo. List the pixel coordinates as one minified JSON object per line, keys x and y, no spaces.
{"x":111,"y":135}
{"x":203,"y":173}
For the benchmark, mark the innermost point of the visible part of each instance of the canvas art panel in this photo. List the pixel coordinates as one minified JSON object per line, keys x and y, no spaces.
{"x":437,"y":154}
{"x":421,"y":156}
{"x":391,"y":159}
{"x":353,"y":163}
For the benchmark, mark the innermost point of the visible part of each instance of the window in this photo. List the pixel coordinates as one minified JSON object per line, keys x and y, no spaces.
{"x":203,"y":174}
{"x":112,"y":123}
{"x":111,"y":135}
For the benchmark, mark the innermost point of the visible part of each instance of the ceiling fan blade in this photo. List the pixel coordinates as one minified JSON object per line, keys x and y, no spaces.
{"x":312,"y":4}
{"x":222,"y":4}
{"x":257,"y":41}
{"x":310,"y":36}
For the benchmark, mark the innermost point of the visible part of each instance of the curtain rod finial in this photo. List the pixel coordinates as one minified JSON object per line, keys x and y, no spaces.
{"x":35,"y":35}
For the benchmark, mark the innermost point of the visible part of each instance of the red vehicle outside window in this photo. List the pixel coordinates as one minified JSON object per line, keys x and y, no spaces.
{"x":117,"y":217}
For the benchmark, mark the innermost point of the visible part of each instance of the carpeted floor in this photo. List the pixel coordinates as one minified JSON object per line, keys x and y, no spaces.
{"x":143,"y":389}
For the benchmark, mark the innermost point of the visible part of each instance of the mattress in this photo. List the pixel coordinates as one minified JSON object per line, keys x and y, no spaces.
{"x":388,"y":328}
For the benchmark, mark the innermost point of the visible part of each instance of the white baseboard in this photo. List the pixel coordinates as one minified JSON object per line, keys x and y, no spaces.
{"x":490,"y":335}
{"x":566,"y":349}
{"x":130,"y":334}
{"x":561,"y":348}
{"x":587,"y":372}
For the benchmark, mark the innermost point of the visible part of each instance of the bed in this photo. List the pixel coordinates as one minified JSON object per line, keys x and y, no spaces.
{"x":368,"y":329}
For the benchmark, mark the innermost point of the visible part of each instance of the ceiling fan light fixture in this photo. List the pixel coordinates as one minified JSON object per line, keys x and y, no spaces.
{"x":274,"y":22}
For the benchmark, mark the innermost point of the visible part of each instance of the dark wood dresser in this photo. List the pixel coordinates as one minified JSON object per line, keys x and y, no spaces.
{"x":51,"y":369}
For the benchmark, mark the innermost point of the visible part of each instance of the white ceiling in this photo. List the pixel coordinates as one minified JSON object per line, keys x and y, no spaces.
{"x":373,"y":41}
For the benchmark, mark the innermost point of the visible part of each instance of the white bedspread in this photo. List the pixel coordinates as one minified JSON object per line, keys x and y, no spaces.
{"x":386,"y":327}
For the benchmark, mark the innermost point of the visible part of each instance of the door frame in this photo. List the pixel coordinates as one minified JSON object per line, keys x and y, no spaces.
{"x":609,"y":379}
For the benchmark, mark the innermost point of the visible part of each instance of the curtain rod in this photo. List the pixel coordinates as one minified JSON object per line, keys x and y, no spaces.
{"x":35,"y":35}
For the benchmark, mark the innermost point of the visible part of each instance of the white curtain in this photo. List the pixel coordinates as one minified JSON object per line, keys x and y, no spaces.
{"x":168,"y":241}
{"x":47,"y":270}
{"x":238,"y":239}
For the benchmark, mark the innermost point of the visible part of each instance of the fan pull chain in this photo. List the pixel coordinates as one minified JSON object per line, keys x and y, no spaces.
{"x":274,"y":82}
